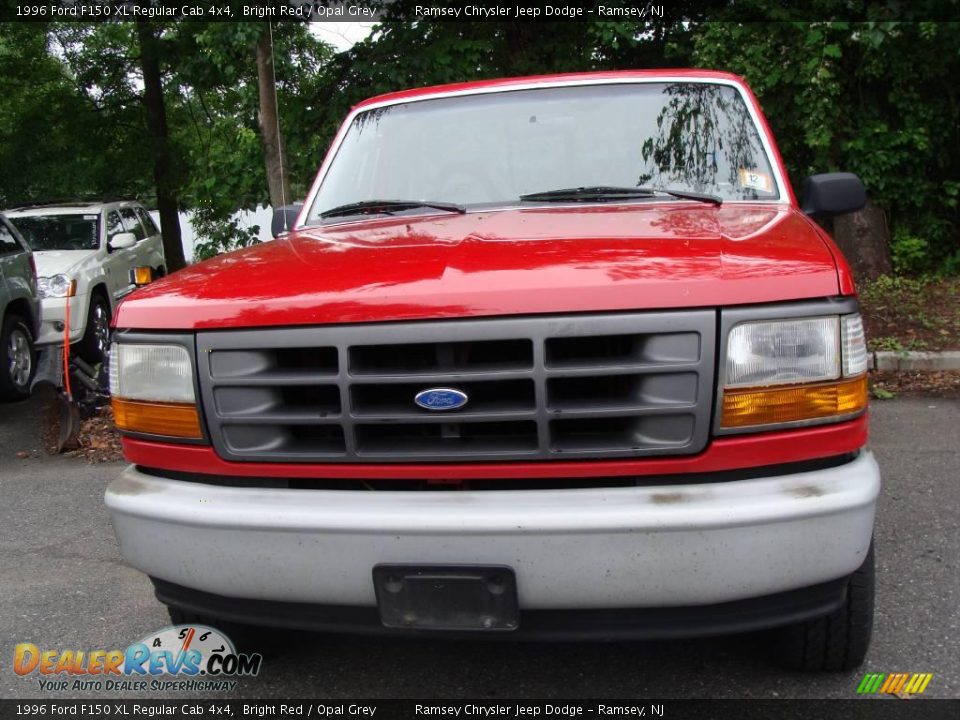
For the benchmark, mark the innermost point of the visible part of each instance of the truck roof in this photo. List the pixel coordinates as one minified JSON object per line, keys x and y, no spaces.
{"x":572,"y":78}
{"x":80,"y":207}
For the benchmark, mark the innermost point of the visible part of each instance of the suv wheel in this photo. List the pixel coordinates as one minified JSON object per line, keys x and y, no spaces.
{"x":96,"y":337}
{"x":837,"y":641}
{"x":16,"y":358}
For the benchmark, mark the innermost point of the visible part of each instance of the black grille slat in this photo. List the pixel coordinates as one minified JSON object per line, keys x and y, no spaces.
{"x":612,"y":412}
{"x":283,"y":418}
{"x":324,"y":440}
{"x":622,"y":350}
{"x":249,"y":401}
{"x":467,"y":439}
{"x":539,"y":388}
{"x":619,"y":369}
{"x":309,"y":362}
{"x":442,"y":358}
{"x":278,"y":380}
{"x":635,"y":432}
{"x":398,"y":418}
{"x":633,"y":391}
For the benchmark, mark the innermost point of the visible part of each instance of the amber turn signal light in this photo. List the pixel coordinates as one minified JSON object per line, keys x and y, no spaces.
{"x":141,"y":275}
{"x":171,"y":419}
{"x":746,"y":407}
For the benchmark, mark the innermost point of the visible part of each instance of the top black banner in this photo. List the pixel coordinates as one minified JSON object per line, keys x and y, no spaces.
{"x":656,"y":12}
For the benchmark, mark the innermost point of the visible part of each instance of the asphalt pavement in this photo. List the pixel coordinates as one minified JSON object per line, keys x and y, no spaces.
{"x":64,"y":586}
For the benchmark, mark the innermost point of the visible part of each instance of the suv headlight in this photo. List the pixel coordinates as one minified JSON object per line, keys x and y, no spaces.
{"x":152,"y":390}
{"x":797,"y":370}
{"x":56,"y":286}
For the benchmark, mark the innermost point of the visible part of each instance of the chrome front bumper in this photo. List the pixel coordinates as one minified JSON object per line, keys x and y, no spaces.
{"x":663,"y":546}
{"x":53,"y":314}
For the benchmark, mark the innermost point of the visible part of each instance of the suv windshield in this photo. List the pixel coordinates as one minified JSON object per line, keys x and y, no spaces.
{"x":491,"y":148}
{"x":60,"y":232}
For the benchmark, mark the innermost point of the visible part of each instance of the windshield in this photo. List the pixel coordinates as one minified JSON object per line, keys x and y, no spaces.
{"x":60,"y":232}
{"x":491,"y":148}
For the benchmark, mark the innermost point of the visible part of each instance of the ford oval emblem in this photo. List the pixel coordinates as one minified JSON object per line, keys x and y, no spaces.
{"x":441,"y":399}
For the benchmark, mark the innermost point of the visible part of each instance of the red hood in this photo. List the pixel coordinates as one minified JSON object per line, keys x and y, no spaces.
{"x":509,"y":262}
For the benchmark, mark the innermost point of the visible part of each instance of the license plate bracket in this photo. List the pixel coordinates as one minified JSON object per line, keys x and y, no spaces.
{"x":447,"y":597}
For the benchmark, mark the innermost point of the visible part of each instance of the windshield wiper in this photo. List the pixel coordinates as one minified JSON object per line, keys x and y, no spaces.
{"x":387,"y":207}
{"x":608,"y":192}
{"x":689,"y":195}
{"x":596,"y":192}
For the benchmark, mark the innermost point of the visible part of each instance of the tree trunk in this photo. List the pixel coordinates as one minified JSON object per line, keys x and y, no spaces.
{"x":864,"y":239}
{"x":163,"y":164}
{"x":274,"y":150}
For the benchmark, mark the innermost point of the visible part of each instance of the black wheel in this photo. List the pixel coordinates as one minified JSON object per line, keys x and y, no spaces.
{"x":838,"y":641}
{"x":96,"y":338}
{"x":159,"y":272}
{"x":17,"y":358}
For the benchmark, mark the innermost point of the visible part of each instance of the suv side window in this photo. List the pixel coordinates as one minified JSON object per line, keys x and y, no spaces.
{"x":8,"y":243}
{"x":132,"y":223}
{"x":114,"y":226}
{"x":148,"y":224}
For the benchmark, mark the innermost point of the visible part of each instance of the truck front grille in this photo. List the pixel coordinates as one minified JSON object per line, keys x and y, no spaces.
{"x":539,"y":388}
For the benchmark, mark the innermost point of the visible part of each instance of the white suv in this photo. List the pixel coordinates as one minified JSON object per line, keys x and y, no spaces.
{"x":84,"y":253}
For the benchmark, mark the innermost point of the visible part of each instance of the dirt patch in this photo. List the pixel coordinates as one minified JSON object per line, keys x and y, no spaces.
{"x":99,"y":439}
{"x":668,"y":498}
{"x":886,"y":385}
{"x":911,"y":313}
{"x":805,"y":491}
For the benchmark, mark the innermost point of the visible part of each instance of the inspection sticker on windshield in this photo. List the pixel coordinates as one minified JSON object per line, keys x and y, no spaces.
{"x":755,"y":180}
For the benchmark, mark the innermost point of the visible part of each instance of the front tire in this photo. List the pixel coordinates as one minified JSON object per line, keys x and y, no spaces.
{"x":96,"y":337}
{"x":838,"y":641}
{"x":17,"y":358}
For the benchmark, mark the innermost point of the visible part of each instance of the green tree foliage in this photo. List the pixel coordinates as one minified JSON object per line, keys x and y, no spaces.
{"x":65,"y":131}
{"x":877,"y":96}
{"x":218,"y":102}
{"x":72,"y":121}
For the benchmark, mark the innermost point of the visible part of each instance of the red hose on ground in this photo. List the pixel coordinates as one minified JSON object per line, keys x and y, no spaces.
{"x":66,"y":353}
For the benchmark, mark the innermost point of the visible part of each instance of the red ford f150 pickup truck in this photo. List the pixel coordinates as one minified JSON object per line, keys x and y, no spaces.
{"x":546,"y":357}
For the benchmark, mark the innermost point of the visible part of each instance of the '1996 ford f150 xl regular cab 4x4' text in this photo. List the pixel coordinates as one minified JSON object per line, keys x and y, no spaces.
{"x":549,"y":357}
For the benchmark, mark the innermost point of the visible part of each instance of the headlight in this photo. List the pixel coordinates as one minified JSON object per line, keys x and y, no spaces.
{"x":853,"y":345}
{"x":799,"y":370}
{"x":785,"y":351}
{"x":56,"y":286}
{"x":152,"y":389}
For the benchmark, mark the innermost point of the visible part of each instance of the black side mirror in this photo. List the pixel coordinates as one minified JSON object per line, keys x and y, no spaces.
{"x":284,"y":218}
{"x":833,"y":194}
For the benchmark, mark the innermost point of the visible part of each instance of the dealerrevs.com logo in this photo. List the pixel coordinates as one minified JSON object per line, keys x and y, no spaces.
{"x":182,"y":657}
